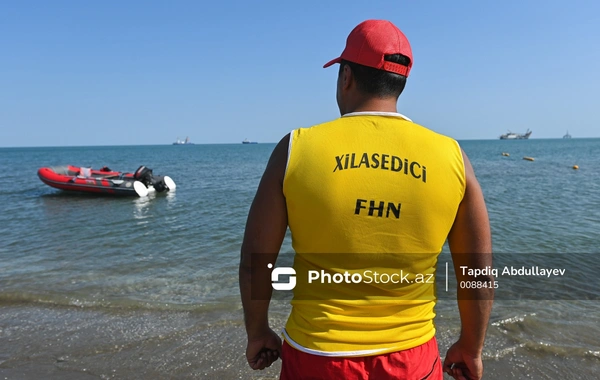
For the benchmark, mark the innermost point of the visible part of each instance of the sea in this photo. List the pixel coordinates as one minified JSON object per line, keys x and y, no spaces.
{"x":99,"y":287}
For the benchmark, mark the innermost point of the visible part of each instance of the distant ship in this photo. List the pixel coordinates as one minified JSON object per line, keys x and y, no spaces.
{"x":567,"y":136}
{"x":183,"y":142}
{"x":246,"y":141}
{"x":515,"y":136}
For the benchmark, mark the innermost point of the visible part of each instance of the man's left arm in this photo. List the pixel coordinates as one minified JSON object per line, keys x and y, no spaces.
{"x":265,"y":230}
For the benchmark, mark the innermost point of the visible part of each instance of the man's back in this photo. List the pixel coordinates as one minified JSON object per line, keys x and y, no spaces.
{"x":339,"y":173}
{"x":371,"y":194}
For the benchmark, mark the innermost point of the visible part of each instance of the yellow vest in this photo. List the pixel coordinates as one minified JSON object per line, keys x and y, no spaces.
{"x":369,"y":195}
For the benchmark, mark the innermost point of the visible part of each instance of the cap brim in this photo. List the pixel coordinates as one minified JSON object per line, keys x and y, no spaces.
{"x":337,"y":60}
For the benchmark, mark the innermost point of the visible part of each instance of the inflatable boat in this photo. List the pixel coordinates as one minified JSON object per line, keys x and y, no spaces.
{"x":105,"y":180}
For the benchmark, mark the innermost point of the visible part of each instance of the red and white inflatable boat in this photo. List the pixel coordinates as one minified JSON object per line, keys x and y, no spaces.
{"x":105,"y":180}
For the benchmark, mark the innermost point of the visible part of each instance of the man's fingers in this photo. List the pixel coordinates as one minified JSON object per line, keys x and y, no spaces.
{"x":447,"y":367}
{"x":450,"y":367}
{"x":455,"y":371}
{"x":272,"y":356}
{"x":257,"y":364}
{"x":268,"y":358}
{"x":264,"y":359}
{"x":458,"y":374}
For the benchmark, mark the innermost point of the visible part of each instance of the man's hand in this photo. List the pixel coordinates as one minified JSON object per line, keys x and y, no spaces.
{"x":263,"y":350}
{"x":463,"y":365}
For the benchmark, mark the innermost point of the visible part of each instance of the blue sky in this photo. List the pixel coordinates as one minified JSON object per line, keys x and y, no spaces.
{"x":147,"y":72}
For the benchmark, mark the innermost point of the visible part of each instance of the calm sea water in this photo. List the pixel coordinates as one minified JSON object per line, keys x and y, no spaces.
{"x":101,"y":287}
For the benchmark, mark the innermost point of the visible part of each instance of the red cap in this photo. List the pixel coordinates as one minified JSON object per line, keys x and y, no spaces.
{"x":370,"y":41}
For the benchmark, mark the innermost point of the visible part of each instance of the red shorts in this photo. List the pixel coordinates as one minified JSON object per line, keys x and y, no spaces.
{"x":421,"y":362}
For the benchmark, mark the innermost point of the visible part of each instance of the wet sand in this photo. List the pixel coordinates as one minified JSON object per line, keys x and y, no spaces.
{"x":52,"y":343}
{"x":38,"y":342}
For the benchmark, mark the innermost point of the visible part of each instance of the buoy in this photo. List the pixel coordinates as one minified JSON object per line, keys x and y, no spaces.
{"x":505,"y":154}
{"x":528,"y":158}
{"x":575,"y":167}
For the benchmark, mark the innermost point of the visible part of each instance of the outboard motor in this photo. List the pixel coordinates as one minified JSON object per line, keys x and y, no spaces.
{"x":144,"y":175}
{"x":159,"y":184}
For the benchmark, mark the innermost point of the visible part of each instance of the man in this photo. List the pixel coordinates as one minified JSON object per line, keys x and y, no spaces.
{"x":370,"y":190}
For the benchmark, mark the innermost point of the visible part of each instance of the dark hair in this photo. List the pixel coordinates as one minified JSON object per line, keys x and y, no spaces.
{"x":379,"y":83}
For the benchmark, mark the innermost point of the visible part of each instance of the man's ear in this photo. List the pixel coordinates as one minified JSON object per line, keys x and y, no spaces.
{"x":347,"y":77}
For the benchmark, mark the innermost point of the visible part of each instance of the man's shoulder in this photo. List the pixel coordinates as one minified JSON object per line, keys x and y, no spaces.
{"x":319,"y":125}
{"x":433,"y":134}
{"x":313,"y":130}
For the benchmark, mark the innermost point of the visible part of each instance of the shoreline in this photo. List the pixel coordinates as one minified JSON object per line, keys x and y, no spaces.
{"x":47,"y":342}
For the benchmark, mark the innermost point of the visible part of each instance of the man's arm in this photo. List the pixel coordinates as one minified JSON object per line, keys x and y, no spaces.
{"x":265,"y":230}
{"x":470,"y":243}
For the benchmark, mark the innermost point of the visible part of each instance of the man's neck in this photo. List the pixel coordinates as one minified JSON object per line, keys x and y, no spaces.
{"x":374,"y":105}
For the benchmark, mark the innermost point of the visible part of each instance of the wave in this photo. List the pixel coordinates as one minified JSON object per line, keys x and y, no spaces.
{"x":539,"y":335}
{"x":563,"y":351}
{"x":512,"y":320}
{"x":116,"y":304}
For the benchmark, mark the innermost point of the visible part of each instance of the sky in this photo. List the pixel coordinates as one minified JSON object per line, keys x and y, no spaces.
{"x":141,"y":72}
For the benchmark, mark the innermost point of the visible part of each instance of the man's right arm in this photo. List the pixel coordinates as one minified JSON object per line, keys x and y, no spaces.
{"x":471,"y":246}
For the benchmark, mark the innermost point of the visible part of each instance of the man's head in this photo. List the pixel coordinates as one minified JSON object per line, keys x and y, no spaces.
{"x":374,"y":65}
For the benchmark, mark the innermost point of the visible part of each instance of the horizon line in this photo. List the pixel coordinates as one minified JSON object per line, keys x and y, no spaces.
{"x":257,"y":143}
